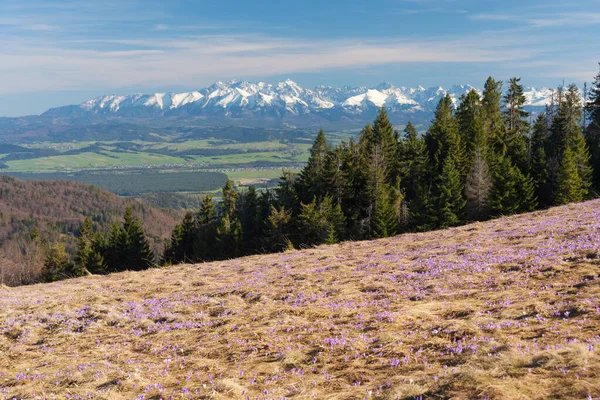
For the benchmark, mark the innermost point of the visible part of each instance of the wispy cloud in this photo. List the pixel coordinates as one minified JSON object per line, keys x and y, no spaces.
{"x":29,"y":65}
{"x":544,"y":20}
{"x":74,"y":45}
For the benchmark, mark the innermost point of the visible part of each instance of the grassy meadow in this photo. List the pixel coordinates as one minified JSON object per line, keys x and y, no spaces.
{"x":116,"y":166}
{"x":506,"y":309}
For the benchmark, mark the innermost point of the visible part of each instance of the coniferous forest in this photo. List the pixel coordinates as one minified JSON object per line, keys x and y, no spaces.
{"x":482,"y":158}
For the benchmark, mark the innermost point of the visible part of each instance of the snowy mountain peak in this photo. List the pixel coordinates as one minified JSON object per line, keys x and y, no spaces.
{"x":242,"y":99}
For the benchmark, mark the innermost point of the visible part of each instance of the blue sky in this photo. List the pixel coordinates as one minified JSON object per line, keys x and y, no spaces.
{"x":63,"y":52}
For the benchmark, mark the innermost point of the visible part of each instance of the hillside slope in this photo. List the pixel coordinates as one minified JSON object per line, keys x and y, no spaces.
{"x":504,"y":309}
{"x":56,"y":210}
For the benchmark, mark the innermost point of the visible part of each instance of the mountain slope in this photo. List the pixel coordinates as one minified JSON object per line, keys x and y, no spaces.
{"x":284,"y":106}
{"x":241,"y":98}
{"x":55,"y":211}
{"x":503,"y":309}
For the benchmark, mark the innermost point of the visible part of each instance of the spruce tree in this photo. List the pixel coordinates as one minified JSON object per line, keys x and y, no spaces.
{"x":137,"y":254}
{"x":355,"y":202}
{"x":277,"y":229}
{"x":336,"y":175}
{"x":470,"y":121}
{"x":383,"y":203}
{"x":582,"y":161}
{"x":229,"y":228}
{"x":503,"y":195}
{"x":477,"y":187}
{"x":526,"y":190}
{"x":514,"y":142}
{"x":385,"y":221}
{"x":204,"y":242}
{"x":286,"y":192}
{"x":413,"y":164}
{"x":312,"y":181}
{"x":88,"y":257}
{"x":181,"y":245}
{"x":421,"y":218}
{"x":57,"y":265}
{"x":538,"y":167}
{"x":312,"y":225}
{"x":207,"y":211}
{"x":84,"y":245}
{"x":492,"y":115}
{"x":336,"y":220}
{"x":566,"y":134}
{"x":512,"y":191}
{"x":569,"y":182}
{"x":592,"y":133}
{"x":385,"y":137}
{"x":249,"y":212}
{"x":128,"y":248}
{"x":443,"y":139}
{"x":448,"y":203}
{"x":172,"y":253}
{"x":115,"y":248}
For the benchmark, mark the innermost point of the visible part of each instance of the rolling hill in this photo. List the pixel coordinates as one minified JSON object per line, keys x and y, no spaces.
{"x":503,"y":309}
{"x":54,"y":210}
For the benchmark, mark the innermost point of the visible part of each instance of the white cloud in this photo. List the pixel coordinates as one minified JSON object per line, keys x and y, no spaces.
{"x":30,"y":66}
{"x":544,"y":20}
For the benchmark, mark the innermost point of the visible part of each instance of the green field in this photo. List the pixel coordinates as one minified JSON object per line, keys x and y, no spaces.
{"x":82,"y":161}
{"x":184,"y":166}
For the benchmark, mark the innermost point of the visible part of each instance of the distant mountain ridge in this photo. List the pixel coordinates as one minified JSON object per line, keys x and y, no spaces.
{"x":257,"y":108}
{"x":237,"y":99}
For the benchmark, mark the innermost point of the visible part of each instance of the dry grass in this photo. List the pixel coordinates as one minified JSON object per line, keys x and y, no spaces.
{"x":506,"y":309}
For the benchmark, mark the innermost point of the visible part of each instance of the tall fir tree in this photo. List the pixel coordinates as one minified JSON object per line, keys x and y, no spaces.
{"x":470,"y":122}
{"x":87,"y":256}
{"x":386,"y":138}
{"x":478,"y":186}
{"x":566,"y":134}
{"x":229,"y":228}
{"x":336,"y":220}
{"x":57,"y":264}
{"x":385,"y":220}
{"x":592,"y":132}
{"x":517,"y":127}
{"x":512,"y":191}
{"x":414,"y":161}
{"x":312,"y":181}
{"x":493,"y":123}
{"x":172,"y":253}
{"x":128,"y":248}
{"x":443,"y":139}
{"x":538,"y":166}
{"x":448,"y":203}
{"x":570,"y":185}
{"x":115,"y":248}
{"x":204,"y":241}
{"x":277,"y":229}
{"x":250,"y":220}
{"x":137,"y":254}
{"x":312,"y":224}
{"x":336,"y":175}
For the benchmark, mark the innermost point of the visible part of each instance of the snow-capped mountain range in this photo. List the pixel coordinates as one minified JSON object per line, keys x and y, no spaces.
{"x":242,"y":99}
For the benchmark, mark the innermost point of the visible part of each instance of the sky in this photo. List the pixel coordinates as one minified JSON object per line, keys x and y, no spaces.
{"x":55,"y":53}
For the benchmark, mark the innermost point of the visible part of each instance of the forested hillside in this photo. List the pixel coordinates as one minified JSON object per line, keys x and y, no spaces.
{"x":482,"y":159}
{"x":35,"y":214}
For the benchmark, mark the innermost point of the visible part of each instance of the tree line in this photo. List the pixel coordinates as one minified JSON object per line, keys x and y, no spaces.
{"x":126,"y":247}
{"x":481,"y":158}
